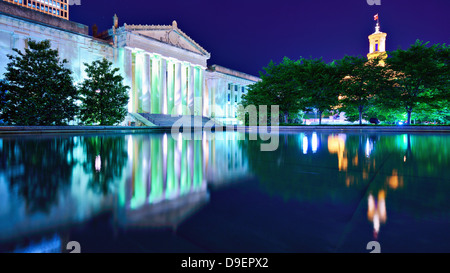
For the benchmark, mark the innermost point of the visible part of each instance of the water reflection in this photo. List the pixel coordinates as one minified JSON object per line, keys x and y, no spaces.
{"x":156,"y":181}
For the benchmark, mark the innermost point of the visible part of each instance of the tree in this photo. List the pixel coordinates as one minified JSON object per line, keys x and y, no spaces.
{"x":103,"y":95}
{"x":278,"y":86}
{"x":420,"y":76}
{"x":321,"y":83}
{"x":38,"y":89}
{"x":363,"y":80}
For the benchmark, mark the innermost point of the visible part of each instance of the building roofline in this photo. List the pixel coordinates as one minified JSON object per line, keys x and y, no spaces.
{"x":231,"y":72}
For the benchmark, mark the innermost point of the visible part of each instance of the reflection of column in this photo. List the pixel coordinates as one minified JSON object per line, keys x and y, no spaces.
{"x":198,"y":166}
{"x":155,"y":93}
{"x":185,"y":174}
{"x":172,"y":183}
{"x":170,"y":87}
{"x":177,"y":161}
{"x":163,"y":86}
{"x":138,"y":189}
{"x":177,"y":88}
{"x":157,"y":174}
{"x":191,"y":89}
{"x":146,"y":85}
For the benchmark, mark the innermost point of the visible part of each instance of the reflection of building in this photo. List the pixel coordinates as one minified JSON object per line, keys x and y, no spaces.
{"x":165,"y":183}
{"x":165,"y":69}
{"x":167,"y":178}
{"x":227,"y":160}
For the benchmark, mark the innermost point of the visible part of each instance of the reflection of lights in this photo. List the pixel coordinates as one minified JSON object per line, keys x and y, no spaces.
{"x":336,"y":145}
{"x":395,"y":181}
{"x":180,"y":142}
{"x":400,"y":123}
{"x":52,"y":245}
{"x":130,"y":146}
{"x":404,"y":158}
{"x":314,"y":143}
{"x":165,"y":146}
{"x":376,"y":211}
{"x":369,"y":148}
{"x":98,"y":163}
{"x":305,"y":145}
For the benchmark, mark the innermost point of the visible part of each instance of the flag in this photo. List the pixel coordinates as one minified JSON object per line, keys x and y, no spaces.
{"x":375,"y":18}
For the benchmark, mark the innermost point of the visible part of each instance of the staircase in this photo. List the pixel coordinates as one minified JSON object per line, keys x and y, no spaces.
{"x":169,"y":121}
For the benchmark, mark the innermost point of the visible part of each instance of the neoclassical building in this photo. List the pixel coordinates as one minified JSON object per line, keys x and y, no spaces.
{"x":166,"y":70}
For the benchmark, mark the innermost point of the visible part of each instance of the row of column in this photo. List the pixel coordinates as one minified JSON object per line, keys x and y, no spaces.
{"x":164,"y":169}
{"x":160,"y":85}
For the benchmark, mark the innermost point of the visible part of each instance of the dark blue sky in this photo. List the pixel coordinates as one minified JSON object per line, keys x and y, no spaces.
{"x":246,"y":34}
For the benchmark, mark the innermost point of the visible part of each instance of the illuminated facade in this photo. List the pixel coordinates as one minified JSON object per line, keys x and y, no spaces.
{"x":225,"y":88}
{"x":57,"y":8}
{"x":377,"y":42}
{"x":165,"y":69}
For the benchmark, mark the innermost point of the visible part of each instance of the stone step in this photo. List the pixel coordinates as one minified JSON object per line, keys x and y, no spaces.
{"x":168,"y":120}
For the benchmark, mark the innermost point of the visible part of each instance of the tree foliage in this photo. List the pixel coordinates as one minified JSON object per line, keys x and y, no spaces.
{"x":103,"y":95}
{"x":38,"y":88}
{"x":421,"y":75}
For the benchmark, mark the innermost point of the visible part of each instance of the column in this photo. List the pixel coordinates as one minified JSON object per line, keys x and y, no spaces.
{"x":127,"y":61}
{"x":155,"y":91}
{"x":198,"y":84}
{"x":146,"y":84}
{"x":177,"y":87}
{"x":184,"y":87}
{"x":170,"y":87}
{"x":138,"y":79}
{"x":163,"y":86}
{"x":206,"y":99}
{"x":191,"y":89}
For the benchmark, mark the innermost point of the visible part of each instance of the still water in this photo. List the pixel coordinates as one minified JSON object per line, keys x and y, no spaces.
{"x":318,"y":192}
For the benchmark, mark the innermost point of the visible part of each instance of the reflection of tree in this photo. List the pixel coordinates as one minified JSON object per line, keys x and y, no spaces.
{"x":290,"y":173}
{"x":105,"y":158}
{"x":39,"y":169}
{"x":410,"y":169}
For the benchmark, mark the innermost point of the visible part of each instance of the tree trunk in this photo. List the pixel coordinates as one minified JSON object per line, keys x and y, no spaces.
{"x":409,"y":116}
{"x":286,"y":117}
{"x":360,"y":115}
{"x":320,"y":117}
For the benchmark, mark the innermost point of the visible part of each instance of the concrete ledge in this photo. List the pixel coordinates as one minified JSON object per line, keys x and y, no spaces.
{"x":4,"y":130}
{"x":355,"y":128}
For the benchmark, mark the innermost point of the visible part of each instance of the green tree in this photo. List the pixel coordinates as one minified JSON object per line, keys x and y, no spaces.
{"x":103,"y":95}
{"x":420,"y":76}
{"x":278,"y":86}
{"x":362,"y":80}
{"x":321,"y":83}
{"x":38,"y":88}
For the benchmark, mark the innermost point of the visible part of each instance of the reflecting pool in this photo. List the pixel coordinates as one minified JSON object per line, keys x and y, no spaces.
{"x":318,"y":192}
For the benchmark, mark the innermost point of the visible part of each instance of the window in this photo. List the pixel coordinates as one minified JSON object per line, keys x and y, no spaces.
{"x":235,"y":88}
{"x":229,"y":86}
{"x":235,"y":98}
{"x":229,"y":97}
{"x":243,"y":89}
{"x":376,"y":47}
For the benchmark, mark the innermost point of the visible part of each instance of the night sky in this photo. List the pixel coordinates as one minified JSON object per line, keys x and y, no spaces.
{"x":246,"y":34}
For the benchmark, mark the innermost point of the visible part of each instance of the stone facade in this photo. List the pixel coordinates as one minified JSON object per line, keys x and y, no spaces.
{"x":165,"y":69}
